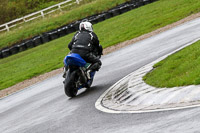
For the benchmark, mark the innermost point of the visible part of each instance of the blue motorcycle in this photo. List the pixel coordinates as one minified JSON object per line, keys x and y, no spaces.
{"x":79,"y":75}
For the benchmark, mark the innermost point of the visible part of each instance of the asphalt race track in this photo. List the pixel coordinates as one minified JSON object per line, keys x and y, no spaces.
{"x":44,"y":108}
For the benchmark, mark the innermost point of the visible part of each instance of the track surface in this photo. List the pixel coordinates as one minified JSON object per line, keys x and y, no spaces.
{"x":43,"y":107}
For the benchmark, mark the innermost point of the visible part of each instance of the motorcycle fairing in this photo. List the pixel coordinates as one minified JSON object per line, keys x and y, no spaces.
{"x":75,"y":60}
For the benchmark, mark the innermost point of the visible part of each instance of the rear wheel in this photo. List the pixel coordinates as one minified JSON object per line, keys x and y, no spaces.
{"x":70,"y":84}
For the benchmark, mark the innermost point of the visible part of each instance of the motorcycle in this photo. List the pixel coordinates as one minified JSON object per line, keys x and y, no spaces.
{"x":79,"y":74}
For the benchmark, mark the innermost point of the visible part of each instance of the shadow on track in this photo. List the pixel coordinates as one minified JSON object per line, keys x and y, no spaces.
{"x":85,"y":92}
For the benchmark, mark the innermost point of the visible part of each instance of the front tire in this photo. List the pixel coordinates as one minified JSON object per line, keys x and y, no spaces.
{"x":70,"y":84}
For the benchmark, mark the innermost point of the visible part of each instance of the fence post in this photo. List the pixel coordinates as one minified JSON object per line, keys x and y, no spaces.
{"x":59,"y":8}
{"x":77,"y":1}
{"x":24,"y":19}
{"x":7,"y":27}
{"x":42,"y":14}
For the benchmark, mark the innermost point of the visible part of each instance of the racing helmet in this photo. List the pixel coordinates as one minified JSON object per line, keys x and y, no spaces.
{"x":86,"y":26}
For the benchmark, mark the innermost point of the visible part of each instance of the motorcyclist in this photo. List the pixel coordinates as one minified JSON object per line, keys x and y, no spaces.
{"x":86,"y":43}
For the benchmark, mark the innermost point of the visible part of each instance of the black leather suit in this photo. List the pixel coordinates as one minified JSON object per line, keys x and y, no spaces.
{"x":86,"y":44}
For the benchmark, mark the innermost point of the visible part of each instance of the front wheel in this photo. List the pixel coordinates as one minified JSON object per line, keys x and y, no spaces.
{"x":70,"y":84}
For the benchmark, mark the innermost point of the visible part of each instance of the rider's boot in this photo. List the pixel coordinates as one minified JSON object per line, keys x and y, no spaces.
{"x":96,"y":66}
{"x":88,"y":74}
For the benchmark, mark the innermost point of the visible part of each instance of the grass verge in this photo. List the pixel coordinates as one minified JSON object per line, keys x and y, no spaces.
{"x":137,"y":22}
{"x":18,"y":8}
{"x":28,"y":30}
{"x":179,"y":69}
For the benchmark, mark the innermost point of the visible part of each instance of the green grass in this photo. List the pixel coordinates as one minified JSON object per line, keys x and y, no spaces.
{"x":28,"y":30}
{"x":32,"y":62}
{"x":18,"y":8}
{"x":137,"y":22}
{"x":179,"y":69}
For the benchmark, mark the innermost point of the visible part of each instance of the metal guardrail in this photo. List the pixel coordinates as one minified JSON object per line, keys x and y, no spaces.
{"x":35,"y":15}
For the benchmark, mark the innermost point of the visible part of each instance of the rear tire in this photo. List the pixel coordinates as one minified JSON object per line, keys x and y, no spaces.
{"x":70,"y":84}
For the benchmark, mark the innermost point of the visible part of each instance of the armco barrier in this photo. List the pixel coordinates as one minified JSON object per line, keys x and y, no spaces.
{"x":70,"y":28}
